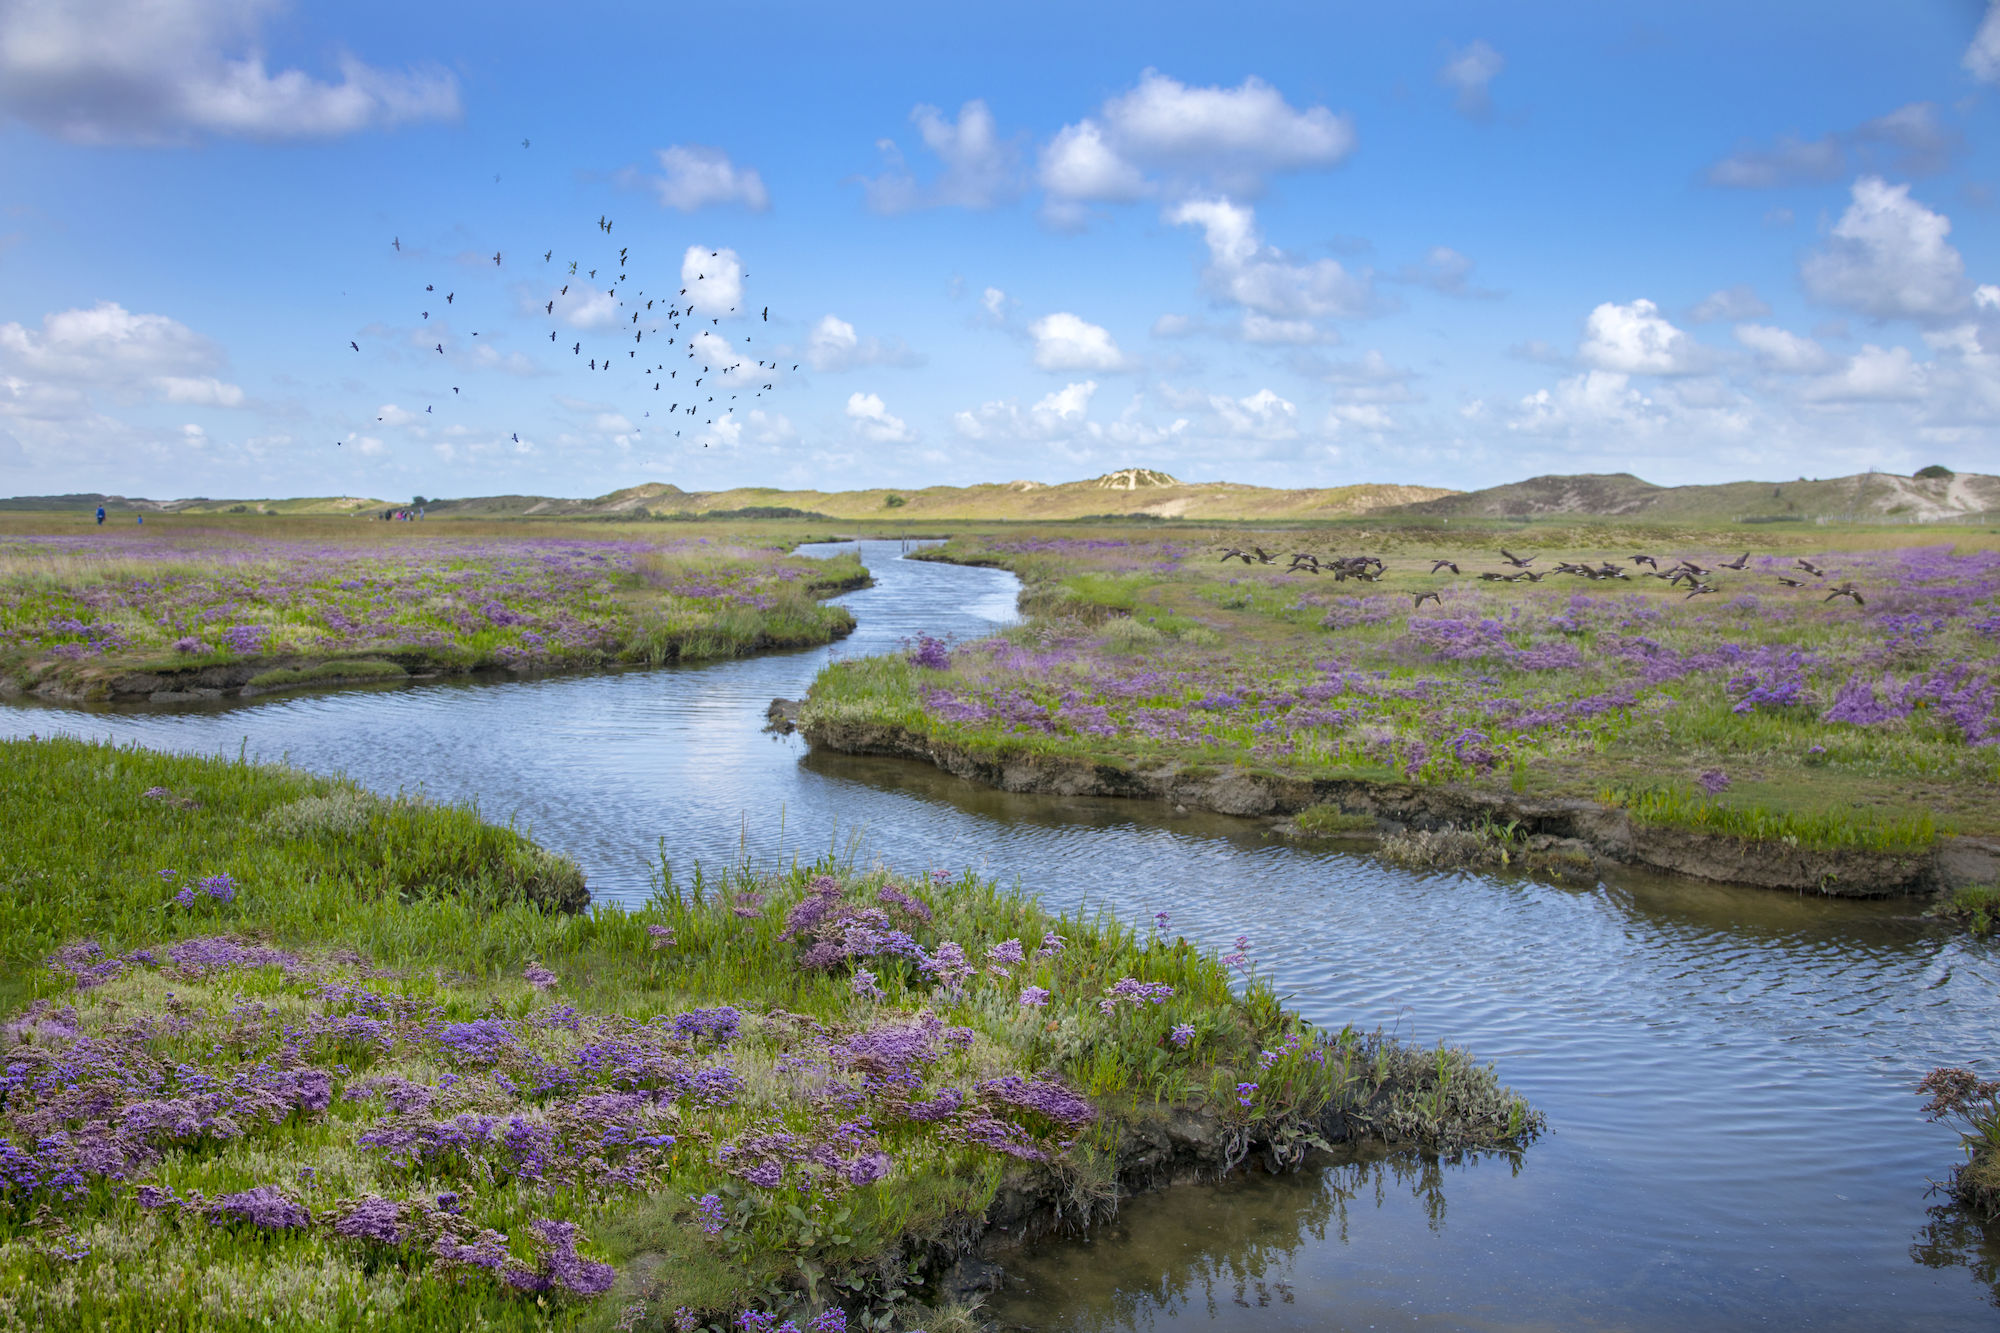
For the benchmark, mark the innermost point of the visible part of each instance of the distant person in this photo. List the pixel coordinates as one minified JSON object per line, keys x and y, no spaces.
{"x":100,"y":516}
{"x":142,"y":520}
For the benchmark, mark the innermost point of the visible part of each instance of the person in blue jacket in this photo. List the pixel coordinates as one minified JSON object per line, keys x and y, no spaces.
{"x":100,"y":516}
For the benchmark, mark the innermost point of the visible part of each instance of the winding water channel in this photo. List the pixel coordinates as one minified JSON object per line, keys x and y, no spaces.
{"x":1726,"y":1072}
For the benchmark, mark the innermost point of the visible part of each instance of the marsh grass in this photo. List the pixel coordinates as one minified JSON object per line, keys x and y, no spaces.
{"x":408,"y":926}
{"x":1833,"y":726}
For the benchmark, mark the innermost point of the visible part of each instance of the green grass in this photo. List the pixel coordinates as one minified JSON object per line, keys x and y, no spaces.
{"x":436,"y":914}
{"x":1684,"y":808}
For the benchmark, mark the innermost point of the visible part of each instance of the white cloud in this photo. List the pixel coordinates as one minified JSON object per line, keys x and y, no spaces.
{"x":872,"y":419}
{"x":1596,"y":398}
{"x":1065,"y":342}
{"x":995,"y":304}
{"x":205,"y":390}
{"x":1872,"y":374}
{"x":1636,"y":339}
{"x":1471,"y":72}
{"x":583,"y":307}
{"x":1888,"y":256}
{"x":110,"y":349}
{"x":1782,"y":350}
{"x":697,"y":177}
{"x":1730,"y":303}
{"x":162,"y":71}
{"x":714,"y":280}
{"x":1982,"y":58}
{"x":833,"y":345}
{"x":1261,"y":416}
{"x":1258,"y":328}
{"x":1069,"y":403}
{"x":1245,"y":271}
{"x":979,"y":169}
{"x":391,"y":415}
{"x":1916,"y":144}
{"x":1363,"y":416}
{"x":1175,"y":326}
{"x":1190,"y":138}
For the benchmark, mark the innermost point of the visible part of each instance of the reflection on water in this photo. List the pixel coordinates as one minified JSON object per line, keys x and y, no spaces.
{"x":1727,"y":1072}
{"x":1216,"y":1251}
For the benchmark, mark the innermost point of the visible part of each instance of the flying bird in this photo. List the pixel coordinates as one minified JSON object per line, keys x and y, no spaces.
{"x":355,"y":345}
{"x":1810,"y":568}
{"x":547,"y":255}
{"x":1423,"y":597}
{"x":1515,"y":560}
{"x":1738,"y":563}
{"x":496,"y":259}
{"x":1846,"y":590}
{"x":1791,"y":583}
{"x":398,"y":243}
{"x":1442,"y":564}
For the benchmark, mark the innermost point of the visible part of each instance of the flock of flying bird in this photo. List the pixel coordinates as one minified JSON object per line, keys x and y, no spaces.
{"x":710,"y":353}
{"x":1369,"y":569}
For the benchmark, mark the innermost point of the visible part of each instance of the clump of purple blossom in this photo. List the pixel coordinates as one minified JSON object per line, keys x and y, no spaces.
{"x":1713,"y":781}
{"x":1134,"y":992}
{"x":539,"y":977}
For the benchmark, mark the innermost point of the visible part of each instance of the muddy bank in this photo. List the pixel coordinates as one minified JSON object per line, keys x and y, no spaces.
{"x":1610,"y":835}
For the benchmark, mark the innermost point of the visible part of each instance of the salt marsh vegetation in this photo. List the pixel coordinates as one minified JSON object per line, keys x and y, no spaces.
{"x":275,"y":1048}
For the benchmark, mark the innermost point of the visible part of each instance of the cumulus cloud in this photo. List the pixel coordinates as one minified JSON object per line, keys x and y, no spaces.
{"x":1873,"y":374}
{"x":697,"y":177}
{"x":977,"y":168}
{"x":1245,"y":271}
{"x":132,"y":356}
{"x":164,"y":71}
{"x":1982,"y":58}
{"x":1636,"y":339}
{"x":584,"y":307}
{"x":1164,"y":137}
{"x":1263,"y":415}
{"x":1258,"y":328}
{"x":1782,"y":350}
{"x":1888,"y":256}
{"x":1064,"y":341}
{"x":1730,"y":303}
{"x":1470,"y":73}
{"x":872,"y":420}
{"x":1059,"y":413}
{"x":833,"y":345}
{"x":714,"y":280}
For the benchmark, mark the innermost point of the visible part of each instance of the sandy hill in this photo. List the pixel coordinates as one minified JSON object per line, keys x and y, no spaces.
{"x":1864,"y":497}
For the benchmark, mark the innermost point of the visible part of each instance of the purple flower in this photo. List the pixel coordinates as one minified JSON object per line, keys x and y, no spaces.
{"x":185,"y":897}
{"x":375,"y":1219}
{"x":947,"y":966}
{"x":1714,"y":781}
{"x":1161,"y":920}
{"x":264,"y":1206}
{"x":931,"y":654}
{"x":863,"y":984}
{"x":539,"y":977}
{"x":868,"y":1169}
{"x":1182,"y":1034}
{"x":1134,"y":992}
{"x":1052,"y":944}
{"x":1033,"y":997}
{"x":709,"y":1211}
{"x":1006,"y":953}
{"x":1246,"y":1093}
{"x":219,"y":887}
{"x":663,"y":936}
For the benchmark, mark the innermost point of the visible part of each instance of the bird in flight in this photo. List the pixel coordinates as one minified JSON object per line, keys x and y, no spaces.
{"x":448,"y":296}
{"x":767,"y":314}
{"x":1423,"y":597}
{"x":496,"y":259}
{"x":1846,"y":590}
{"x":355,"y":345}
{"x":547,"y":255}
{"x":1436,"y":565}
{"x":1515,"y":560}
{"x":1738,"y":563}
{"x":398,"y":243}
{"x":524,"y":144}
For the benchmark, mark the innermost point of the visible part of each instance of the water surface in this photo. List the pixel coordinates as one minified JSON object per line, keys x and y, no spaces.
{"x":1726,"y":1071}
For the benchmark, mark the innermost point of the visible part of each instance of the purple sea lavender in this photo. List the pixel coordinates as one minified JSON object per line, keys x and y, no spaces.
{"x":539,"y":977}
{"x":1006,"y":953}
{"x":558,"y":1265}
{"x":1714,"y":781}
{"x":863,"y":985}
{"x":264,"y":1206}
{"x":1033,"y":997}
{"x":375,"y":1219}
{"x":948,"y":966}
{"x":1041,"y":1096}
{"x":867,"y":1169}
{"x":1052,"y":944}
{"x":662,"y":937}
{"x":1134,"y":992}
{"x":1182,"y":1034}
{"x":891,"y":896}
{"x":219,"y":887}
{"x":718,"y":1024}
{"x":710,"y":1215}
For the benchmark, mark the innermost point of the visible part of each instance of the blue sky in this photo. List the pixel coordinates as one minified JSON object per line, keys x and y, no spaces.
{"x":1284,"y":244}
